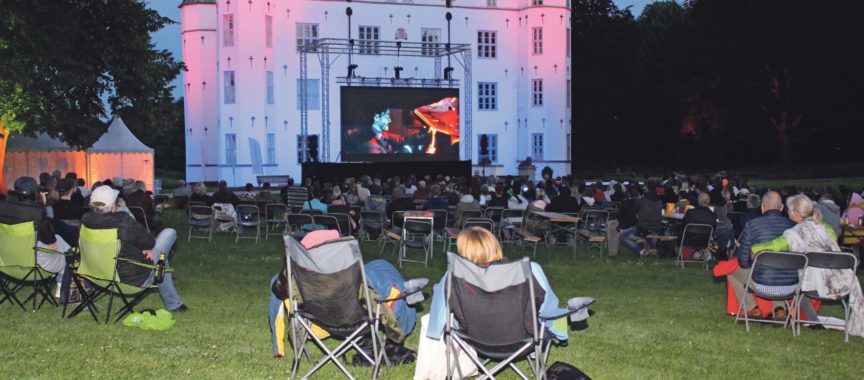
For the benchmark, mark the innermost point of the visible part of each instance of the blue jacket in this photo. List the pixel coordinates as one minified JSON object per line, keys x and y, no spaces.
{"x":763,"y":229}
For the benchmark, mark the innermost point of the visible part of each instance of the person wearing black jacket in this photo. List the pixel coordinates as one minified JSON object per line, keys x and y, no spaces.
{"x":22,"y":206}
{"x":563,"y":202}
{"x":136,"y":244}
{"x":223,"y":195}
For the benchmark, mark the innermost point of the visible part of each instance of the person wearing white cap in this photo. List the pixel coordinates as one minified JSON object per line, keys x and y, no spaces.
{"x":136,"y":245}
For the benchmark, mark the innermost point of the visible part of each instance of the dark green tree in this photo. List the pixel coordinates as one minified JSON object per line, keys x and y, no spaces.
{"x":68,"y":64}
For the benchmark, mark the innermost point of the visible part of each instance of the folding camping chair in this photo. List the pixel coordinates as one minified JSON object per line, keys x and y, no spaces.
{"x":496,"y":310}
{"x":776,"y":260}
{"x":100,"y":250}
{"x":19,"y":268}
{"x":329,"y":278}
{"x":829,"y":261}
{"x":698,"y":237}
{"x":200,"y":219}
{"x":248,"y":216}
{"x":328,"y":222}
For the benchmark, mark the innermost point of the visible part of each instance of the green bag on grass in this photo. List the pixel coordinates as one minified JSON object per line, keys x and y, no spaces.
{"x":160,"y":321}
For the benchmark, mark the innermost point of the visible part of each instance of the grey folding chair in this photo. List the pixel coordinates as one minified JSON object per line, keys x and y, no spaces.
{"x":329,"y":222}
{"x":698,"y":237}
{"x":416,"y":234}
{"x":777,"y":260}
{"x":248,"y":217}
{"x":277,"y":215}
{"x":200,"y":219}
{"x":486,"y":223}
{"x":843,"y":266}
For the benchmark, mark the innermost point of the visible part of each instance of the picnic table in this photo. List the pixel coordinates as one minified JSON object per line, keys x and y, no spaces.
{"x":559,"y":222}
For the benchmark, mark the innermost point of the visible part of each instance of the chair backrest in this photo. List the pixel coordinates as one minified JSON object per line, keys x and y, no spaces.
{"x":468,"y":214}
{"x":140,"y":216}
{"x":344,"y":222}
{"x":697,"y":235}
{"x":486,"y":223}
{"x":494,"y":213}
{"x":337,"y":209}
{"x":276,"y":211}
{"x":512,"y":215}
{"x":17,"y":244}
{"x":181,"y":201}
{"x":248,"y":213}
{"x":439,"y":218}
{"x":832,"y":260}
{"x":328,"y":221}
{"x":99,"y":249}
{"x":595,"y":220}
{"x":296,"y":221}
{"x":417,"y":226}
{"x":781,"y":261}
{"x":200,"y":212}
{"x":371,"y":216}
{"x":496,"y":305}
{"x":309,"y":211}
{"x":329,"y":278}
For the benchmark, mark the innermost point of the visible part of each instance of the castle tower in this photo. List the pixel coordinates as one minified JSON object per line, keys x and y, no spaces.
{"x":200,"y":40}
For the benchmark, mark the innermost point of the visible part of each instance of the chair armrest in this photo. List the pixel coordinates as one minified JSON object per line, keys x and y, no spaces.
{"x":53,"y":252}
{"x":143,"y":265}
{"x":577,"y":309}
{"x":412,"y":293}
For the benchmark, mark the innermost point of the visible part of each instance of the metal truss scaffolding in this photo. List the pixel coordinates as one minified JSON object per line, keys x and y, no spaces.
{"x":329,"y":50}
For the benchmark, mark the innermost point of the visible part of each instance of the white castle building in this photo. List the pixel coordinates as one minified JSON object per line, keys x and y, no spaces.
{"x":246,"y":107}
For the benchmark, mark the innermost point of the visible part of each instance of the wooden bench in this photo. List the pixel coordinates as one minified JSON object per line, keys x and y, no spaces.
{"x":527,"y":237}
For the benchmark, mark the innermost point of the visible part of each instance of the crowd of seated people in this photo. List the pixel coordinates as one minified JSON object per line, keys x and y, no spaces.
{"x":58,"y":206}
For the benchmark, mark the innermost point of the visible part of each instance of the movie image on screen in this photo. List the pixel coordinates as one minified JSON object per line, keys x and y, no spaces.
{"x":400,"y":124}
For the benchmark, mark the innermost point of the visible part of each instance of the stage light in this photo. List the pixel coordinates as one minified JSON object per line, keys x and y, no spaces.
{"x":351,"y":70}
{"x":448,"y":73}
{"x":397,"y":72}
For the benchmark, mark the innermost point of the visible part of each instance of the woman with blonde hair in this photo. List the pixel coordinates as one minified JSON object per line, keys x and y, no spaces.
{"x":481,"y":247}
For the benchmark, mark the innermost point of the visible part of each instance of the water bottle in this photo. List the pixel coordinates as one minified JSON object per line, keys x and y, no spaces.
{"x":159,"y":273}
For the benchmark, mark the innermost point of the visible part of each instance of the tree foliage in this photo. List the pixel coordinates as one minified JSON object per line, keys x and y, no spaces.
{"x":717,"y":83}
{"x":67,"y":64}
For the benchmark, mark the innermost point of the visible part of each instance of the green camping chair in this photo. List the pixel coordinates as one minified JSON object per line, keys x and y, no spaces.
{"x":99,"y":249}
{"x":18,"y":267}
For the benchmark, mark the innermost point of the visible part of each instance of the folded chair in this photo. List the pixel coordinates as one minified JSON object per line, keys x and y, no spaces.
{"x":329,"y":278}
{"x":99,"y":250}
{"x":776,"y":260}
{"x":834,"y":261}
{"x":19,"y":269}
{"x":494,"y":310}
{"x":698,"y":237}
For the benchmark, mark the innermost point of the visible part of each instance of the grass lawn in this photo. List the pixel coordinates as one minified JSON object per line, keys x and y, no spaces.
{"x":651,"y":320}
